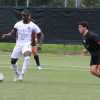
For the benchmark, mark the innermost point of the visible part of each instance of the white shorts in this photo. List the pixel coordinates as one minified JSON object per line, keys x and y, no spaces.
{"x":20,"y":50}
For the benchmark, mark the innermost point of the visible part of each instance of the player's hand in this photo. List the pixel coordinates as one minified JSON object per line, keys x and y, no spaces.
{"x":39,"y":47}
{"x":3,"y":36}
{"x":36,"y":40}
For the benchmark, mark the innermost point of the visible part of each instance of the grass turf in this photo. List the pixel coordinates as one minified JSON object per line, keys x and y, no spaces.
{"x":47,"y":48}
{"x":63,"y":78}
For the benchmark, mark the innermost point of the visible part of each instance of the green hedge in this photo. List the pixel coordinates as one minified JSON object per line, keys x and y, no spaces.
{"x":46,"y":48}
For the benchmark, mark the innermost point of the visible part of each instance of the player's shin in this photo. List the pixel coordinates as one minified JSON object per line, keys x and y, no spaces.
{"x":15,"y":66}
{"x":94,"y":70}
{"x":37,"y":60}
{"x":98,"y":70}
{"x":36,"y":57}
{"x":25,"y":64}
{"x":25,"y":67}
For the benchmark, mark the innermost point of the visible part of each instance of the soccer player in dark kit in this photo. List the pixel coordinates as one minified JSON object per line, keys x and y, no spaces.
{"x":91,"y":42}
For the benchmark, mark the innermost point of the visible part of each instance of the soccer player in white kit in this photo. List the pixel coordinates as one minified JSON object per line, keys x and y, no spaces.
{"x":26,"y":32}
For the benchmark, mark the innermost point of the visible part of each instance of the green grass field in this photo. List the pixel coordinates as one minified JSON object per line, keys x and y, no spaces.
{"x":64,"y":77}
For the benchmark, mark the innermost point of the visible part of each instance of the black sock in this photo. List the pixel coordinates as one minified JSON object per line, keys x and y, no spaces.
{"x":36,"y":57}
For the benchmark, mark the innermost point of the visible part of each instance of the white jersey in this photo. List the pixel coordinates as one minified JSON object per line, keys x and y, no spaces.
{"x":24,"y":32}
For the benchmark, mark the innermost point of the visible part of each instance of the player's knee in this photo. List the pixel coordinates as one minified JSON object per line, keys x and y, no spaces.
{"x":13,"y":61}
{"x":27,"y":58}
{"x":93,"y":69}
{"x":34,"y":51}
{"x":27,"y":54}
{"x":92,"y":72}
{"x":35,"y":56}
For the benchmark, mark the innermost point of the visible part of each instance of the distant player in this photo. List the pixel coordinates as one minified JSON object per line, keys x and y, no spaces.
{"x":91,"y":42}
{"x":26,"y":37}
{"x":36,"y":45}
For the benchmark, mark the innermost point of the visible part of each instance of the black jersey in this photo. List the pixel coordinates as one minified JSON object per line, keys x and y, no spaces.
{"x":91,"y":42}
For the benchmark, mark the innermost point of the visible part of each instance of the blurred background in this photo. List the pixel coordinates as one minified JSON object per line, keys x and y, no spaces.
{"x":51,"y":3}
{"x":58,"y":19}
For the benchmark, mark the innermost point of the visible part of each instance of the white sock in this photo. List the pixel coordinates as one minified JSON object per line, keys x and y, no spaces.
{"x":25,"y":64}
{"x":15,"y":68}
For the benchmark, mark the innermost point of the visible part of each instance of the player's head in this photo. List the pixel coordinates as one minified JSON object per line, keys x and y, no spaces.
{"x":83,"y":27}
{"x":26,"y":15}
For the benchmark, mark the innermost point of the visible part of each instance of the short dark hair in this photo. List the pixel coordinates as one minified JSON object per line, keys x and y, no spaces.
{"x":84,"y":24}
{"x":25,"y":12}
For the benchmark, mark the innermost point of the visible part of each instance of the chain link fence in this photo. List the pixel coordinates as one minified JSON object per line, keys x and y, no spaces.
{"x":41,"y":3}
{"x":33,"y":3}
{"x":51,"y":3}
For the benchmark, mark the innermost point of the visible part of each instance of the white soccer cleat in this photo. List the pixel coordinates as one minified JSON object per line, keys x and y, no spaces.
{"x":21,"y":77}
{"x":1,"y":77}
{"x":39,"y":67}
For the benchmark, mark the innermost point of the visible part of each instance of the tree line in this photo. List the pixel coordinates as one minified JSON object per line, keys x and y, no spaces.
{"x":51,"y":3}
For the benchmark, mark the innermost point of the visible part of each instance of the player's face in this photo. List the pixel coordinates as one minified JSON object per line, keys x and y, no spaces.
{"x":81,"y":29}
{"x":25,"y":17}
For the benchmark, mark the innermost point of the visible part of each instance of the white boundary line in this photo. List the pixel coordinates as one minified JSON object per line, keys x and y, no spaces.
{"x":50,"y":67}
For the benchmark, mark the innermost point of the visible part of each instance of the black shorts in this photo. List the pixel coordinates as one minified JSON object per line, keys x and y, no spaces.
{"x":95,"y":59}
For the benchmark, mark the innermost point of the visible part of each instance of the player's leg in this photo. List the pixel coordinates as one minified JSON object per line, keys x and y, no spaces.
{"x":14,"y":58}
{"x":36,"y":57}
{"x":26,"y":62}
{"x":14,"y":65}
{"x":98,"y":69}
{"x":94,"y":65}
{"x":98,"y":62}
{"x":94,"y":70}
{"x":26,"y":53}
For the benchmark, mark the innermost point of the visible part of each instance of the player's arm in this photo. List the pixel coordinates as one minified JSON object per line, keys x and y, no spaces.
{"x":13,"y":31}
{"x":37,"y":38}
{"x":98,"y":42}
{"x":40,"y":37}
{"x":33,"y":39}
{"x":37,"y":35}
{"x":96,"y":38}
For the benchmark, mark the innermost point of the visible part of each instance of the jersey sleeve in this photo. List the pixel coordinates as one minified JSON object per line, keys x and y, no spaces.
{"x":96,"y":38}
{"x":16,"y":26}
{"x":36,"y":29}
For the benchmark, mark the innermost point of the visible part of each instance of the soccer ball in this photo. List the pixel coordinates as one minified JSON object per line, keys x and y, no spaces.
{"x":1,"y":77}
